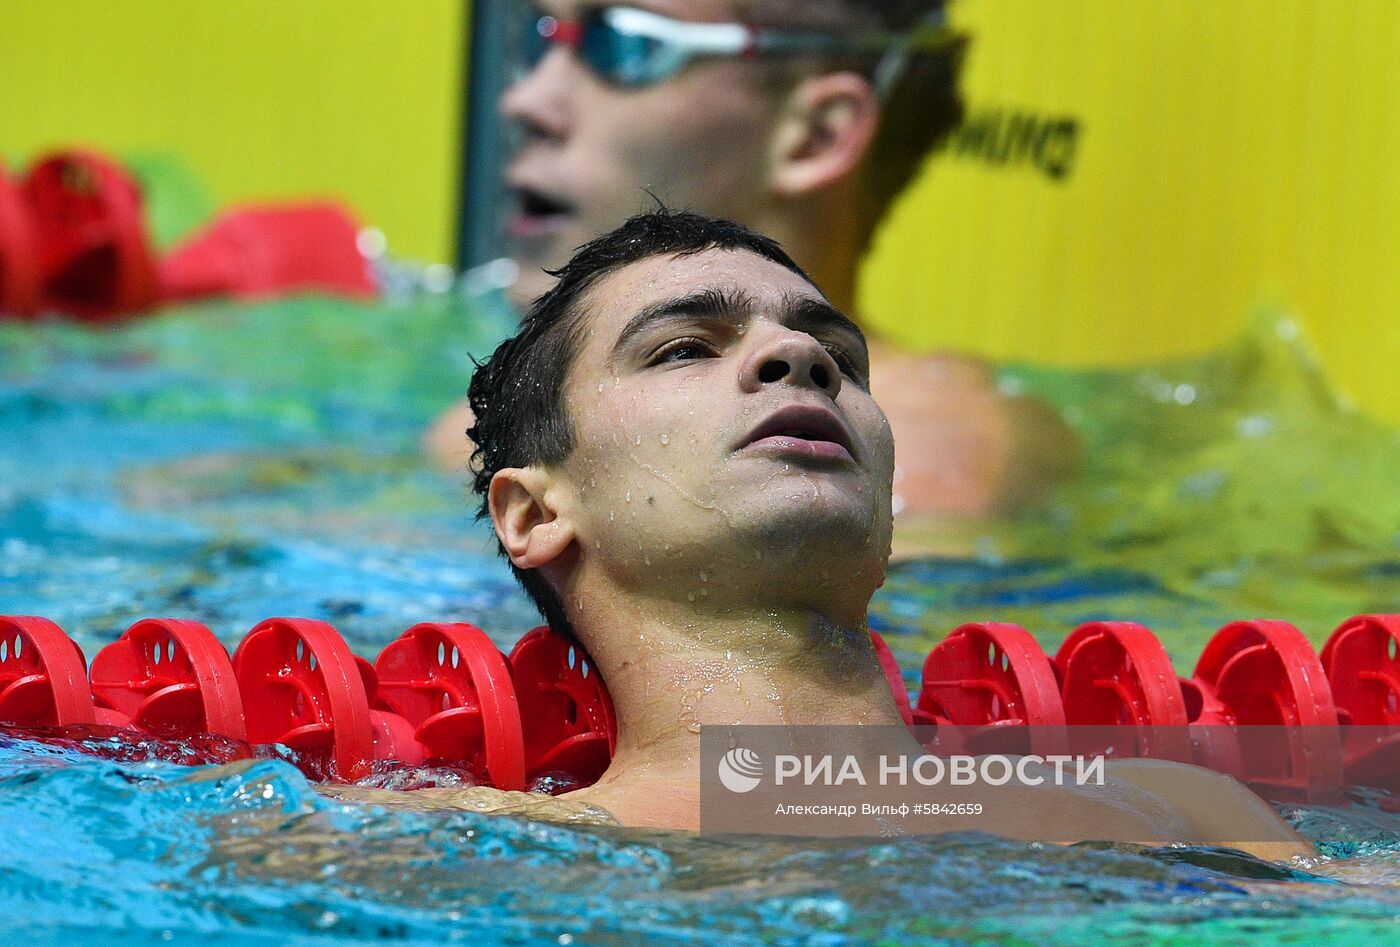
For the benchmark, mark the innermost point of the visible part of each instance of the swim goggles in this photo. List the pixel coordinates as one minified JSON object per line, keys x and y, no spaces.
{"x":634,"y":48}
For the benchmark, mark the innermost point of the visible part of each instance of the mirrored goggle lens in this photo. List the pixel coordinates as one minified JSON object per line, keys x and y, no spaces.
{"x":621,"y":58}
{"x":624,"y":59}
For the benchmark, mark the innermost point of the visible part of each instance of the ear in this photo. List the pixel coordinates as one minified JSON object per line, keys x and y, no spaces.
{"x":825,"y":133}
{"x":530,"y":528}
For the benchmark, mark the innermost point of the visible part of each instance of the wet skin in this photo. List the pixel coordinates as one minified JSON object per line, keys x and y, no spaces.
{"x":687,"y":362}
{"x":718,"y":567}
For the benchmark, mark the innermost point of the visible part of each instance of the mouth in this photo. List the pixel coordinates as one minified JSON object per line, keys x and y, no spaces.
{"x":538,"y":213}
{"x":804,"y":432}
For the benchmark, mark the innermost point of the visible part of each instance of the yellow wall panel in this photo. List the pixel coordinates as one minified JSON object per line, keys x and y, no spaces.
{"x":354,"y":99}
{"x":1229,"y":154}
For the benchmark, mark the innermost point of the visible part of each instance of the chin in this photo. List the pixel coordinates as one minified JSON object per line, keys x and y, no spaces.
{"x":829,"y":531}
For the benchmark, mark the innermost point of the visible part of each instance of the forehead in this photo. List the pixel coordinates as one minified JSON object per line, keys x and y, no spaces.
{"x":620,"y":295}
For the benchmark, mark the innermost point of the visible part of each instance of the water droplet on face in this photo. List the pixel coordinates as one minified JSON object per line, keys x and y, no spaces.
{"x":665,"y":439}
{"x":639,"y":440}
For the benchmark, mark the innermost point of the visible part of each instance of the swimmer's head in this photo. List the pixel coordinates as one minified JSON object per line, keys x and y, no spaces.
{"x":685,"y":414}
{"x":771,"y":141}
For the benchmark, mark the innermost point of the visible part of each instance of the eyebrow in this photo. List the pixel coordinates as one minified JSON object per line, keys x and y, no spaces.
{"x":735,"y":307}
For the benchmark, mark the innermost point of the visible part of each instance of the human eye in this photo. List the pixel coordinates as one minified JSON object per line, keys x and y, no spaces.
{"x":682,"y":350}
{"x":845,"y":362}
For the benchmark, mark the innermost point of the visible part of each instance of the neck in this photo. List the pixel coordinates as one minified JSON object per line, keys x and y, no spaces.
{"x":672,"y":670}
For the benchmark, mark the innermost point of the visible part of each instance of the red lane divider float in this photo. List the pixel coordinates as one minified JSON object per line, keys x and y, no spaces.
{"x":19,"y":286}
{"x":1362,"y":662}
{"x":566,"y":713}
{"x":454,"y":687}
{"x":254,"y":253}
{"x":43,"y":681}
{"x":302,"y":687}
{"x":443,"y":694}
{"x":894,"y":677}
{"x":169,"y":678}
{"x":1264,"y":673}
{"x":73,"y":240}
{"x":1116,"y":673}
{"x":993,"y":677}
{"x":991,"y":673}
{"x":93,"y":257}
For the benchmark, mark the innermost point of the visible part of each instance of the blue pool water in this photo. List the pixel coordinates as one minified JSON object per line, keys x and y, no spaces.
{"x":230,"y":463}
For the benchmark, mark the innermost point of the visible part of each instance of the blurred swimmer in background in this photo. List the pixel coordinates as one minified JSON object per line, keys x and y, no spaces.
{"x":802,"y":119}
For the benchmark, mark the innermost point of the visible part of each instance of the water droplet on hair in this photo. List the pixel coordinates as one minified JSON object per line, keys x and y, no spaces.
{"x":690,"y":596}
{"x":704,"y":577}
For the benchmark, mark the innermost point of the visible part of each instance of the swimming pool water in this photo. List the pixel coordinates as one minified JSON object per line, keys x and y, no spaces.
{"x":229,"y":463}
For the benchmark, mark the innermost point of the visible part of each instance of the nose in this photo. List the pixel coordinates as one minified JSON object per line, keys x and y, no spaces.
{"x":794,"y":358}
{"x":538,"y":102}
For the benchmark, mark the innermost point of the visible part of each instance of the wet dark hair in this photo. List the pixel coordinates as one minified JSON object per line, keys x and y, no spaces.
{"x":921,"y":110}
{"x":517,"y":394}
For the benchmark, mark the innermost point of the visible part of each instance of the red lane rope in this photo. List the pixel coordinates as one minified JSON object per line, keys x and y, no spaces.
{"x":443,"y":693}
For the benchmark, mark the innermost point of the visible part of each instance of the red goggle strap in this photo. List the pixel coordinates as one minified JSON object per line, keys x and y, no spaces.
{"x":560,"y":32}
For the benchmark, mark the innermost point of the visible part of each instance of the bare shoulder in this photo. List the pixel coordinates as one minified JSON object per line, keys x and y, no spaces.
{"x":1219,"y":809}
{"x":446,"y":443}
{"x":963,"y":446}
{"x":1145,"y":802}
{"x":481,"y":799}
